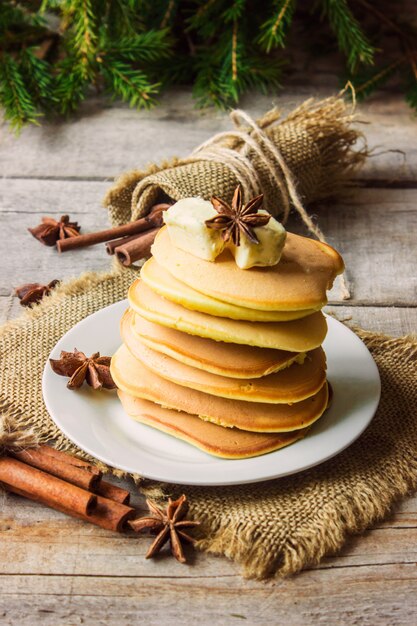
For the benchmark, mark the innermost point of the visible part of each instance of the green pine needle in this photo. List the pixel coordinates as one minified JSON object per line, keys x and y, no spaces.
{"x":275,"y":29}
{"x":71,"y":84}
{"x":142,"y":47}
{"x":38,"y":77}
{"x":130,"y":84}
{"x":366,"y":82}
{"x":350,"y":36}
{"x":19,"y":106}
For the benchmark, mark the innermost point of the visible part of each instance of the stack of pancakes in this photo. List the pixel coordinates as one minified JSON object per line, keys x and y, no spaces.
{"x":229,"y":360}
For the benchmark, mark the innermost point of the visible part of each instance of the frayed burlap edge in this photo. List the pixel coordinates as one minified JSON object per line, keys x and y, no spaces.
{"x":329,"y":535}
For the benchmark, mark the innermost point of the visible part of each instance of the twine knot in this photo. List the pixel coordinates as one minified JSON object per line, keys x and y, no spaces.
{"x":252,"y":138}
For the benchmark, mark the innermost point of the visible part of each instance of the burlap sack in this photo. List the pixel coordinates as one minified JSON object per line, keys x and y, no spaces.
{"x":315,"y":141}
{"x":280,"y":526}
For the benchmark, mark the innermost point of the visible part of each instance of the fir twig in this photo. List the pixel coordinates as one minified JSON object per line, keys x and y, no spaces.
{"x":367,"y":82}
{"x":19,"y":106}
{"x":350,"y":36}
{"x":275,"y":28}
{"x":130,"y":84}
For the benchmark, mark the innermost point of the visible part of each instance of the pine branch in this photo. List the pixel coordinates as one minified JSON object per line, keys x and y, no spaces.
{"x":368,"y":81}
{"x":18,"y":104}
{"x":275,"y":29}
{"x":224,"y":47}
{"x":83,"y":38}
{"x":131,"y":85}
{"x":147,"y":47}
{"x":351,"y":38}
{"x":37,"y":74}
{"x":71,"y":84}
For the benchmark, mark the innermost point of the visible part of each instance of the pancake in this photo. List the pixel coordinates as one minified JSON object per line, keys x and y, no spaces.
{"x":225,"y":443}
{"x":299,"y":281}
{"x":133,"y":378}
{"x":293,"y":384}
{"x":164,"y":284}
{"x":294,"y":336}
{"x":225,"y":359}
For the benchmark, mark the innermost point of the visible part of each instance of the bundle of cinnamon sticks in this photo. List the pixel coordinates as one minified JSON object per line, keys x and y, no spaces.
{"x":129,"y":242}
{"x":68,"y":484}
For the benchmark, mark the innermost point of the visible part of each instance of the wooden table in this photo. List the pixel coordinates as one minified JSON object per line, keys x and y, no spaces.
{"x":56,"y":570}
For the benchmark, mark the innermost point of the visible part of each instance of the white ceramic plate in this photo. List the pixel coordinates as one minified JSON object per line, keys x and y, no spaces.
{"x":96,"y":422}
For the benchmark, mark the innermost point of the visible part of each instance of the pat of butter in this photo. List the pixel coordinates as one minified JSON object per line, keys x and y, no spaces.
{"x":267,"y":252}
{"x":187,"y":230}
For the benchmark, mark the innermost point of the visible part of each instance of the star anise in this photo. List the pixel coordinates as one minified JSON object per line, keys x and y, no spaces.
{"x":95,"y":370}
{"x":31,"y":293}
{"x":49,"y":231}
{"x":169,"y":525}
{"x":237,"y":218}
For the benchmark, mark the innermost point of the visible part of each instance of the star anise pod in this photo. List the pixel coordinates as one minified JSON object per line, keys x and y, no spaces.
{"x":169,"y":525}
{"x":49,"y":231}
{"x":31,"y":293}
{"x":237,"y":218}
{"x":95,"y":370}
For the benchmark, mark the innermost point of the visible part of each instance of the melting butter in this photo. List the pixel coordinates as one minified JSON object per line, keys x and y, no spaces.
{"x":187,"y":230}
{"x":185,"y":222}
{"x":267,"y":252}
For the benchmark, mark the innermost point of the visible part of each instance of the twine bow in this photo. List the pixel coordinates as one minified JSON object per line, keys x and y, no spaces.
{"x":237,"y":159}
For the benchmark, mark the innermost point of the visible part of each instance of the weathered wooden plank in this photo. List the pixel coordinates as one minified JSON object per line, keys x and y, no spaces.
{"x":104,"y":140}
{"x":370,"y":596}
{"x":396,"y":321}
{"x":39,"y":541}
{"x":22,"y":204}
{"x":373,"y":229}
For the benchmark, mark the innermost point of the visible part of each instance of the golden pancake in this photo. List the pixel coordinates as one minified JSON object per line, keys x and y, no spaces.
{"x":132,"y":377}
{"x":293,"y":384}
{"x":299,"y":281}
{"x":294,"y":336}
{"x":226,"y":359}
{"x":164,"y":283}
{"x":225,"y":443}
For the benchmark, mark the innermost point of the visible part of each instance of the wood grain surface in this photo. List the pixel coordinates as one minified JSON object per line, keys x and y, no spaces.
{"x":56,"y":570}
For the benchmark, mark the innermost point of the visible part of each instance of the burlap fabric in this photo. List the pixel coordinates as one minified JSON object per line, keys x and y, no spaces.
{"x":276,"y":527}
{"x":272,"y":528}
{"x":315,"y":141}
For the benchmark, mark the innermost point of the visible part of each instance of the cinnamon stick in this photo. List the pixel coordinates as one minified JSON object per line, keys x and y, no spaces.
{"x":69,"y":458}
{"x":137,"y":249}
{"x":152,"y":220}
{"x":37,"y":485}
{"x":113,"y":492}
{"x":74,"y":470}
{"x":112,"y":245}
{"x":61,"y":467}
{"x":109,"y":514}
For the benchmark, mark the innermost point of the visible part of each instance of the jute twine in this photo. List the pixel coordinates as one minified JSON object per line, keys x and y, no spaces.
{"x":272,"y":528}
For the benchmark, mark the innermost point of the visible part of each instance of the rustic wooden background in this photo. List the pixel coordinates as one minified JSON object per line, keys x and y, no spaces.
{"x":55,"y":570}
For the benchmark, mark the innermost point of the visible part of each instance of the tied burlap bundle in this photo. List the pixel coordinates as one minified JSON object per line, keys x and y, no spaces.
{"x":296,"y":161}
{"x":277,"y":527}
